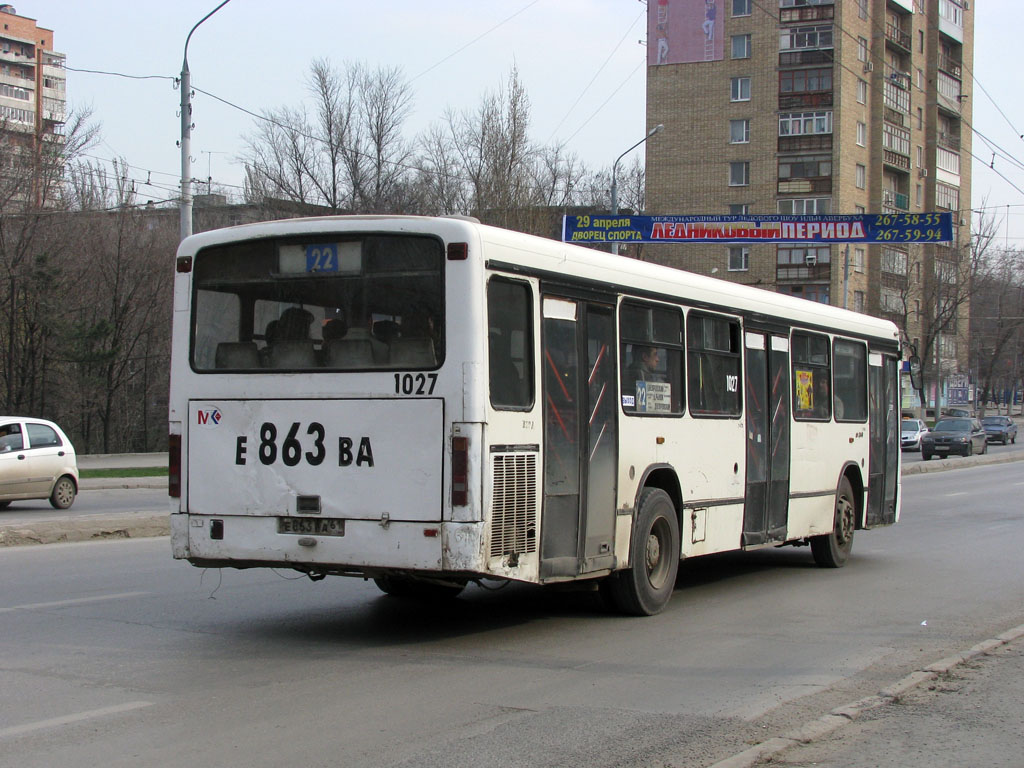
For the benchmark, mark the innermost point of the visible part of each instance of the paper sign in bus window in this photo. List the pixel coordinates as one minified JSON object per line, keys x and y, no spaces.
{"x":653,"y":397}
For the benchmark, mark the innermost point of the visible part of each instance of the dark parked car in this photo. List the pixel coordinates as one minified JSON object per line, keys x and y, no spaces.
{"x":948,"y":436}
{"x":1000,"y":429}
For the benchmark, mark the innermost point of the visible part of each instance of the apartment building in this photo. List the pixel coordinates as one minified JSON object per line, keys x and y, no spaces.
{"x":32,"y":90}
{"x":818,"y":107}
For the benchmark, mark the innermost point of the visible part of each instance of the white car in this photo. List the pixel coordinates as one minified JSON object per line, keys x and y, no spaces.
{"x":911,"y":431}
{"x":37,"y":461}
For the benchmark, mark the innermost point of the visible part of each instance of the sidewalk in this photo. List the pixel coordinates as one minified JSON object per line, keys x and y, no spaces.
{"x":964,"y":710}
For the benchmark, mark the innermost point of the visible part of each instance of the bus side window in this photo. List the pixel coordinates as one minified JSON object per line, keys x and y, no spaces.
{"x":812,"y":377}
{"x":713,"y":354}
{"x":850,"y":371}
{"x":510,"y":344}
{"x":651,"y":356}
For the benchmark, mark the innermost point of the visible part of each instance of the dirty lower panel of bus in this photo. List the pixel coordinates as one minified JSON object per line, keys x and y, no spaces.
{"x":353,"y":459}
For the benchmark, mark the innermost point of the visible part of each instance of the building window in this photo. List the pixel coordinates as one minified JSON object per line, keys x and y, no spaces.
{"x":862,"y":9}
{"x":811,"y":292}
{"x":920,"y":156}
{"x":858,"y":301}
{"x":739,"y":209}
{"x":862,"y":92}
{"x":805,"y":123}
{"x":803,"y":255}
{"x":739,"y":174}
{"x":740,"y":7}
{"x":810,"y":206}
{"x":920,"y":41}
{"x":890,"y":300}
{"x":858,"y":259}
{"x":862,"y":134}
{"x":801,"y":38}
{"x":894,"y":262}
{"x":739,"y":131}
{"x":862,"y":49}
{"x":862,"y":176}
{"x":920,"y":118}
{"x":918,"y":195}
{"x":805,"y":80}
{"x":860,"y":210}
{"x":741,"y":89}
{"x":741,"y":46}
{"x":739,"y":258}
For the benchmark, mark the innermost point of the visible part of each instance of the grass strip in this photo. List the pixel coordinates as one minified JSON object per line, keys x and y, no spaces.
{"x":124,"y":472}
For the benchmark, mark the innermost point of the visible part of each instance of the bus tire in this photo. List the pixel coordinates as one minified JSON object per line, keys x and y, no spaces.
{"x":832,"y":550}
{"x":644,"y":589}
{"x":407,"y":587}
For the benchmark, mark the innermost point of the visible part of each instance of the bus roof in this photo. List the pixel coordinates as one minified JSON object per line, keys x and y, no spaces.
{"x":530,"y":253}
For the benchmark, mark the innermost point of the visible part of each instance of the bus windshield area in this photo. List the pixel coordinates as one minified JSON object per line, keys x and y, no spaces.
{"x":327,"y":304}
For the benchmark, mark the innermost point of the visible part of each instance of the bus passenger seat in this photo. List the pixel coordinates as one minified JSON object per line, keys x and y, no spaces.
{"x":292,"y":354}
{"x":413,"y":352}
{"x":236,"y":354}
{"x":350,"y":354}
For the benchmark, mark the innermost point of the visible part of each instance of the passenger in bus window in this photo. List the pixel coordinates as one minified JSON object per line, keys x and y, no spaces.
{"x":822,"y":396}
{"x":293,"y":325}
{"x":644,"y":367}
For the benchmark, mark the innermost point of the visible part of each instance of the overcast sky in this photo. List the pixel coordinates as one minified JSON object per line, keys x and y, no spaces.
{"x":580,"y":61}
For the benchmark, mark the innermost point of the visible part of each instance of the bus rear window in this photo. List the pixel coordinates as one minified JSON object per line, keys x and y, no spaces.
{"x":346,"y":303}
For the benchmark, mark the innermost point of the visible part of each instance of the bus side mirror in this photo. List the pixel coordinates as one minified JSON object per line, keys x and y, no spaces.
{"x":915,"y":372}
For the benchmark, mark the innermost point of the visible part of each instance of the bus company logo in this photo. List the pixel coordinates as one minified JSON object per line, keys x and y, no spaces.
{"x":208,"y":418}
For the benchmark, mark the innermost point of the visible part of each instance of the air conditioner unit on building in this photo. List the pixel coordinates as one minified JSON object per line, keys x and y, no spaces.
{"x":967,"y":5}
{"x":869,"y":66}
{"x":811,"y":259}
{"x":922,"y":172}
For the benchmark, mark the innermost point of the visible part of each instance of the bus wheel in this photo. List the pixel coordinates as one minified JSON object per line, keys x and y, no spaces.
{"x":406,"y":587}
{"x":833,"y":549}
{"x":645,"y":588}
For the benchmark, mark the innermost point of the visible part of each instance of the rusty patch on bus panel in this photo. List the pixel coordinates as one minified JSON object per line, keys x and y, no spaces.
{"x":698,"y":524}
{"x":461,"y":546}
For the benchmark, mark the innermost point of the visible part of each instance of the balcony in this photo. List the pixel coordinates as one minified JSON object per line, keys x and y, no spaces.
{"x":896,"y":160}
{"x":896,"y":36}
{"x":807,"y":13}
{"x":821,"y":185}
{"x":896,"y":202}
{"x":803,"y":273}
{"x":950,"y":66}
{"x":800,"y":58}
{"x":949,"y":141}
{"x":821,"y":142}
{"x":800,"y":100}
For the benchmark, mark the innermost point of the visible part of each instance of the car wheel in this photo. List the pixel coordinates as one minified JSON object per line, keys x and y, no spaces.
{"x":833,"y":549}
{"x":644,"y":589}
{"x":925,"y":456}
{"x":4,"y":504}
{"x":969,"y":449}
{"x":984,"y":448}
{"x":63,"y":495}
{"x":1005,"y":439}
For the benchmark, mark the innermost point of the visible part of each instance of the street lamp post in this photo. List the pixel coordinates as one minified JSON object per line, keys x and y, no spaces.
{"x":615,"y":170}
{"x":185,"y":208}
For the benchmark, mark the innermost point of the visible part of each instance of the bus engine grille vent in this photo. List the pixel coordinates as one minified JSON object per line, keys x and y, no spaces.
{"x":514,"y":508}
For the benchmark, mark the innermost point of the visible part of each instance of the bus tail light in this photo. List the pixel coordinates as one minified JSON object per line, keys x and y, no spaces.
{"x":460,"y":471}
{"x":174,"y":466}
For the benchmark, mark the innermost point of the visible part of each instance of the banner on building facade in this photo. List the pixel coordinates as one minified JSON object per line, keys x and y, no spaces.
{"x":685,"y":31}
{"x":869,"y":228}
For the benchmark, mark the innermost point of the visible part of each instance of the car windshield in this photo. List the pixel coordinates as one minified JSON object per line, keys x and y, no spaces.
{"x":953,"y":425}
{"x":909,"y":426}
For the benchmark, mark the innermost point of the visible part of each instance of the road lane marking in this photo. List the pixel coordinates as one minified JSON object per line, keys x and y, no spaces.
{"x":959,"y":493}
{"x":53,"y":722}
{"x":77,"y":601}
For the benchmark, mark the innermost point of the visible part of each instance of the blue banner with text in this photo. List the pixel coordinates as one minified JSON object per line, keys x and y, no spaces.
{"x":870,"y":228}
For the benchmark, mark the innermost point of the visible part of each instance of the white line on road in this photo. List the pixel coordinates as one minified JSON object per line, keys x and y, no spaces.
{"x":64,"y":603}
{"x":959,"y":493}
{"x":69,"y":719}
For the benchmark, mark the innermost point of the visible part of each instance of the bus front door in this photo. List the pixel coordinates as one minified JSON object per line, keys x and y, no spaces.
{"x":884,"y":446}
{"x":766,"y":501}
{"x":580,"y":437}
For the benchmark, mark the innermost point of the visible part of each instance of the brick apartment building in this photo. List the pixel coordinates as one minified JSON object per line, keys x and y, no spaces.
{"x":814,"y":107}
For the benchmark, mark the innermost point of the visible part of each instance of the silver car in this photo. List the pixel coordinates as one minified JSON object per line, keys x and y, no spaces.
{"x":37,"y":461}
{"x":911,"y":432}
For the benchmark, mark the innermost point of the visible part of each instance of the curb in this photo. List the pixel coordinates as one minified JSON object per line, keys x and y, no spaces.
{"x":131,"y":525}
{"x":841,"y":716}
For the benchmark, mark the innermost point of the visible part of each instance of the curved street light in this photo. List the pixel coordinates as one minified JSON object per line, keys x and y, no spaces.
{"x":615,"y":170}
{"x":186,"y":133}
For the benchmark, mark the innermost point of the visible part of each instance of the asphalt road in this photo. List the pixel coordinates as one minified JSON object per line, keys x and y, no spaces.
{"x":115,"y":655}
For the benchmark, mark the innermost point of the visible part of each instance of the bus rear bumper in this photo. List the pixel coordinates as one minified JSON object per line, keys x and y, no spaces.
{"x":244,"y":541}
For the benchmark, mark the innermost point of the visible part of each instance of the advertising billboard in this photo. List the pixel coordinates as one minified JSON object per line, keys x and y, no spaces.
{"x":685,"y":31}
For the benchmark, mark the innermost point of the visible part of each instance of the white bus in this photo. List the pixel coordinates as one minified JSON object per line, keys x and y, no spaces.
{"x":429,"y":401}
